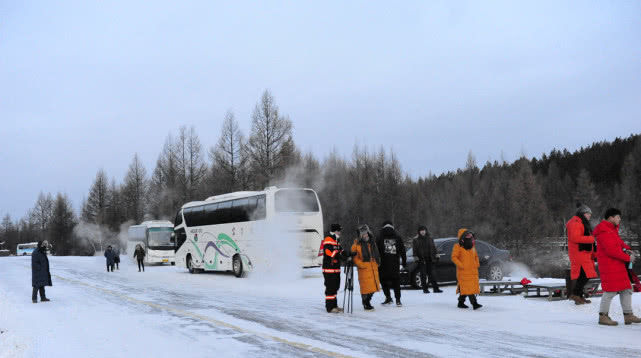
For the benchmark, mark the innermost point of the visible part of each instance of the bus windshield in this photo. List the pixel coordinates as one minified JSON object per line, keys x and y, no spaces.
{"x":296,"y":201}
{"x":160,"y":236}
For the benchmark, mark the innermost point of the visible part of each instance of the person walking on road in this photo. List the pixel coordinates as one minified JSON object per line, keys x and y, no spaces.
{"x":139,"y":255}
{"x":466,"y":259}
{"x":580,"y":252}
{"x":367,"y":259}
{"x":40,"y":274}
{"x":110,"y":256}
{"x":391,"y":248}
{"x":424,"y":251}
{"x":614,"y":256}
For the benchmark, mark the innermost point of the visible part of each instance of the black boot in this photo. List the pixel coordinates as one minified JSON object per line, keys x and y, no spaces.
{"x":387,"y":301}
{"x":475,"y":304}
{"x":436,"y":289}
{"x":461,"y":302}
{"x":398,"y":302}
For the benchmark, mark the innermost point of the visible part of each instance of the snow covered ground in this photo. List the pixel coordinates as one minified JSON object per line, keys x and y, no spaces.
{"x":167,"y":312}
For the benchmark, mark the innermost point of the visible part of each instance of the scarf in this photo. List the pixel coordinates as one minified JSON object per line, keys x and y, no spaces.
{"x":587,"y":228}
{"x":368,"y":247}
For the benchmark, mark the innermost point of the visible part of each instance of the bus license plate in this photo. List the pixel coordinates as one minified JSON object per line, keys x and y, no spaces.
{"x":165,"y":260}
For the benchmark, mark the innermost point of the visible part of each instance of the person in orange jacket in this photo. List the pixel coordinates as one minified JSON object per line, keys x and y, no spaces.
{"x":466,"y":259}
{"x":581,"y":252}
{"x":367,"y":259}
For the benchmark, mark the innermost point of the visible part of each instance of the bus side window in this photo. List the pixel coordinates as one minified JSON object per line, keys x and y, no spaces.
{"x":189,"y":217}
{"x":259,"y":213}
{"x":201,"y":218}
{"x":223,"y":214}
{"x":239,"y":210}
{"x":210,"y":214}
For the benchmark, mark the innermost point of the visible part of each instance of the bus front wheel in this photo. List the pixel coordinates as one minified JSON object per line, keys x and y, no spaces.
{"x":237,"y":266}
{"x":190,"y":266}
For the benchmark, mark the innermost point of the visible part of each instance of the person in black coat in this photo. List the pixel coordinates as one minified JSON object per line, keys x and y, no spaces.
{"x":391,"y":248}
{"x":424,"y":251}
{"x":110,"y":255}
{"x":40,"y":275}
{"x":139,"y":254}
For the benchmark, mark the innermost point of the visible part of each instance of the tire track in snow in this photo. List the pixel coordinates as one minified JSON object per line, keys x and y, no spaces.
{"x":292,"y":343}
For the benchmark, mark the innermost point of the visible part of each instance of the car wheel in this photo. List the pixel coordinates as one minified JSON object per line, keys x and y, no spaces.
{"x":495,"y":273}
{"x":237,"y":266}
{"x":416,"y":279}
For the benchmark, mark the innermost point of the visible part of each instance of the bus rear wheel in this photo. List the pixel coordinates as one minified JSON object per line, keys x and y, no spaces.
{"x":237,"y":266}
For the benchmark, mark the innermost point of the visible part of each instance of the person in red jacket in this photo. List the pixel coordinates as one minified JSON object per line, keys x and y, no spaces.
{"x":613,"y":257}
{"x":580,"y":249}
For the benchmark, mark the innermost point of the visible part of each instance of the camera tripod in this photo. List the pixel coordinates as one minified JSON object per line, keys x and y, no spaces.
{"x":349,"y":287}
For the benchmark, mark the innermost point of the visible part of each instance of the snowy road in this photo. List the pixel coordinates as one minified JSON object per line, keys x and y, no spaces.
{"x":166,"y":312}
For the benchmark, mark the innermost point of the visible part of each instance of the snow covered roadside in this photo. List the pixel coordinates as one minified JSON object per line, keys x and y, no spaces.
{"x":167,"y":312}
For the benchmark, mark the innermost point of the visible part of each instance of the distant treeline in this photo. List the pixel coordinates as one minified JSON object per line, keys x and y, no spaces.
{"x":508,"y":204}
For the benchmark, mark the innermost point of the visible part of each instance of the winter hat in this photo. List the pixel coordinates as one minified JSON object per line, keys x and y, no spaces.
{"x":388,"y":223}
{"x":611,"y":212}
{"x":363,"y":228}
{"x":461,"y":232}
{"x":335,"y":227}
{"x":582,"y":209}
{"x":422,"y":227}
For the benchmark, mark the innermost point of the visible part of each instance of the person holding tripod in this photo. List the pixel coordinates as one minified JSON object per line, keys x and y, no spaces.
{"x":332,"y":255}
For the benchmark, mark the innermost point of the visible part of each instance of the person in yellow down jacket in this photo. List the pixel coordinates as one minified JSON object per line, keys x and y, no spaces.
{"x":367,"y":260}
{"x":466,"y":259}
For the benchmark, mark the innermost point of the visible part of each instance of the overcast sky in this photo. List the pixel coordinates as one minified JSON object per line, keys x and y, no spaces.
{"x":84,"y":85}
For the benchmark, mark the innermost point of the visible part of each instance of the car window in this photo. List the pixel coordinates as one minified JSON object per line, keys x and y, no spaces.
{"x":446,"y":248}
{"x":483,"y":249}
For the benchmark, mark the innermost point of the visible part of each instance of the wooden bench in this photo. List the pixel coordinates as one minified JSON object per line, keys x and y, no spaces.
{"x":500,"y":288}
{"x":555,"y":291}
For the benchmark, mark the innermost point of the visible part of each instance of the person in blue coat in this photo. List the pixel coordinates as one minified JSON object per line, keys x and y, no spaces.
{"x":110,"y":255}
{"x":40,"y":275}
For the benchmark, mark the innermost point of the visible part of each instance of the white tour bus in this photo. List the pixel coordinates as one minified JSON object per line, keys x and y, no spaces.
{"x":26,"y":248}
{"x":155,"y":236}
{"x":222,"y":232}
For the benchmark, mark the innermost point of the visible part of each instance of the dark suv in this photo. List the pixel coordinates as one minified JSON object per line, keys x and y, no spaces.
{"x":493,"y":263}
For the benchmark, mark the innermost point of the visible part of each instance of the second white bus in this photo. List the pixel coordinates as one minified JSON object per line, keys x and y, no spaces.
{"x":155,"y":237}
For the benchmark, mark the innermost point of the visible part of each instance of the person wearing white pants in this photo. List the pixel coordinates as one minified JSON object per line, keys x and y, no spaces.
{"x":614,"y":256}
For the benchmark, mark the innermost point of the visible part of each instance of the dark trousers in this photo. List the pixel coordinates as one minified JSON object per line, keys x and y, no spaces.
{"x":391,"y":283}
{"x":428,"y":272}
{"x":580,"y":284}
{"x":332,"y":283}
{"x":367,"y":299}
{"x":34,"y":295}
{"x":141,"y":263}
{"x":110,"y":267}
{"x":472,"y":298}
{"x":117,"y":268}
